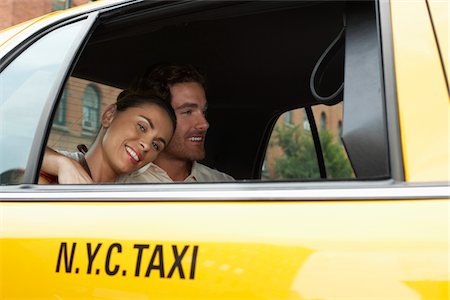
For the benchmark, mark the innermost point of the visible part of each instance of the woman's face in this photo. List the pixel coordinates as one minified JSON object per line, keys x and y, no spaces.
{"x":135,"y":137}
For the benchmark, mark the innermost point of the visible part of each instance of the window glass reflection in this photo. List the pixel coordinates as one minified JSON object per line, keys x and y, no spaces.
{"x":24,"y":88}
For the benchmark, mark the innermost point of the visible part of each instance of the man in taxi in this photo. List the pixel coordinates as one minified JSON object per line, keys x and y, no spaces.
{"x":184,"y":87}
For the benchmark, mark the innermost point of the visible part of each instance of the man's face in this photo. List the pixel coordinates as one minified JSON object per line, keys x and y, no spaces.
{"x":188,"y":141}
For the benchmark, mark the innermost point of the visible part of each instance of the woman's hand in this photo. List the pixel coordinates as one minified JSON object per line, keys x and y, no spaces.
{"x":68,"y":170}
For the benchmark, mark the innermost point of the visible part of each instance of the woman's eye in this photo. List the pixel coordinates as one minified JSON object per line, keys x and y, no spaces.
{"x":155,"y":146}
{"x":141,"y":127}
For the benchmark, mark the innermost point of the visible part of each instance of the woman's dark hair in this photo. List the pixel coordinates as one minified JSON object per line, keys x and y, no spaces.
{"x":158,"y":79}
{"x":134,"y":100}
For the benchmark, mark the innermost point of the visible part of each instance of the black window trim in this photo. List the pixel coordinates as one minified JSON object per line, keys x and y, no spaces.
{"x":389,"y":89}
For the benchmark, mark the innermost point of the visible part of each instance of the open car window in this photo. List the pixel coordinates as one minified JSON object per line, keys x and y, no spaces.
{"x":258,"y":58}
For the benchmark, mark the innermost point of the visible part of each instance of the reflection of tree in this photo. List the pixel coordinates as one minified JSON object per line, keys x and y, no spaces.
{"x":299,"y":159}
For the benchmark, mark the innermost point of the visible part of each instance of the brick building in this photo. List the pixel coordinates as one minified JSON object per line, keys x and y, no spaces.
{"x":13,"y":12}
{"x":77,"y":119}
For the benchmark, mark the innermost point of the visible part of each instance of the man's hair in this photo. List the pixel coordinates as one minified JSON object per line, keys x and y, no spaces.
{"x":133,"y":100}
{"x":158,"y":79}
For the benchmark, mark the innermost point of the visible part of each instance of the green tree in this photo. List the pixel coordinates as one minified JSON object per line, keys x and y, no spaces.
{"x":299,"y":159}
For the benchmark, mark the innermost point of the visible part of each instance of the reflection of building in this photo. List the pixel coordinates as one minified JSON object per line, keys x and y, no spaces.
{"x":326,"y":117}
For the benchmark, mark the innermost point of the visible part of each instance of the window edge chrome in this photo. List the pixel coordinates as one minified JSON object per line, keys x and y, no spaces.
{"x":222,"y":192}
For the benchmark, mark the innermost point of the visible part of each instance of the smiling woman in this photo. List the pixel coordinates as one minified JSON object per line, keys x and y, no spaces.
{"x":133,"y":132}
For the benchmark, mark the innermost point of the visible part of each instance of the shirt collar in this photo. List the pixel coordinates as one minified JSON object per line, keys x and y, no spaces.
{"x":193,"y":176}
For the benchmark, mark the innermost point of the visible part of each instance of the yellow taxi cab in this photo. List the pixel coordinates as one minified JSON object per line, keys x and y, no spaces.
{"x":332,"y":117}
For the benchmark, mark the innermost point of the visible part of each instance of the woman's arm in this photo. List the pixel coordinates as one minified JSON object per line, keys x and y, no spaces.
{"x":68,"y":170}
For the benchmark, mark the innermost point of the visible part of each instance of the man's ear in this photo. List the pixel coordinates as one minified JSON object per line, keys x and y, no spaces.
{"x":108,"y":115}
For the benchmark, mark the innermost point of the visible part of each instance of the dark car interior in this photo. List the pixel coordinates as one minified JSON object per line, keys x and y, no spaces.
{"x":258,"y":57}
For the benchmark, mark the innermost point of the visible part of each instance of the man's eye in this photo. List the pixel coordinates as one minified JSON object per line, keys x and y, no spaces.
{"x":187,"y":112}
